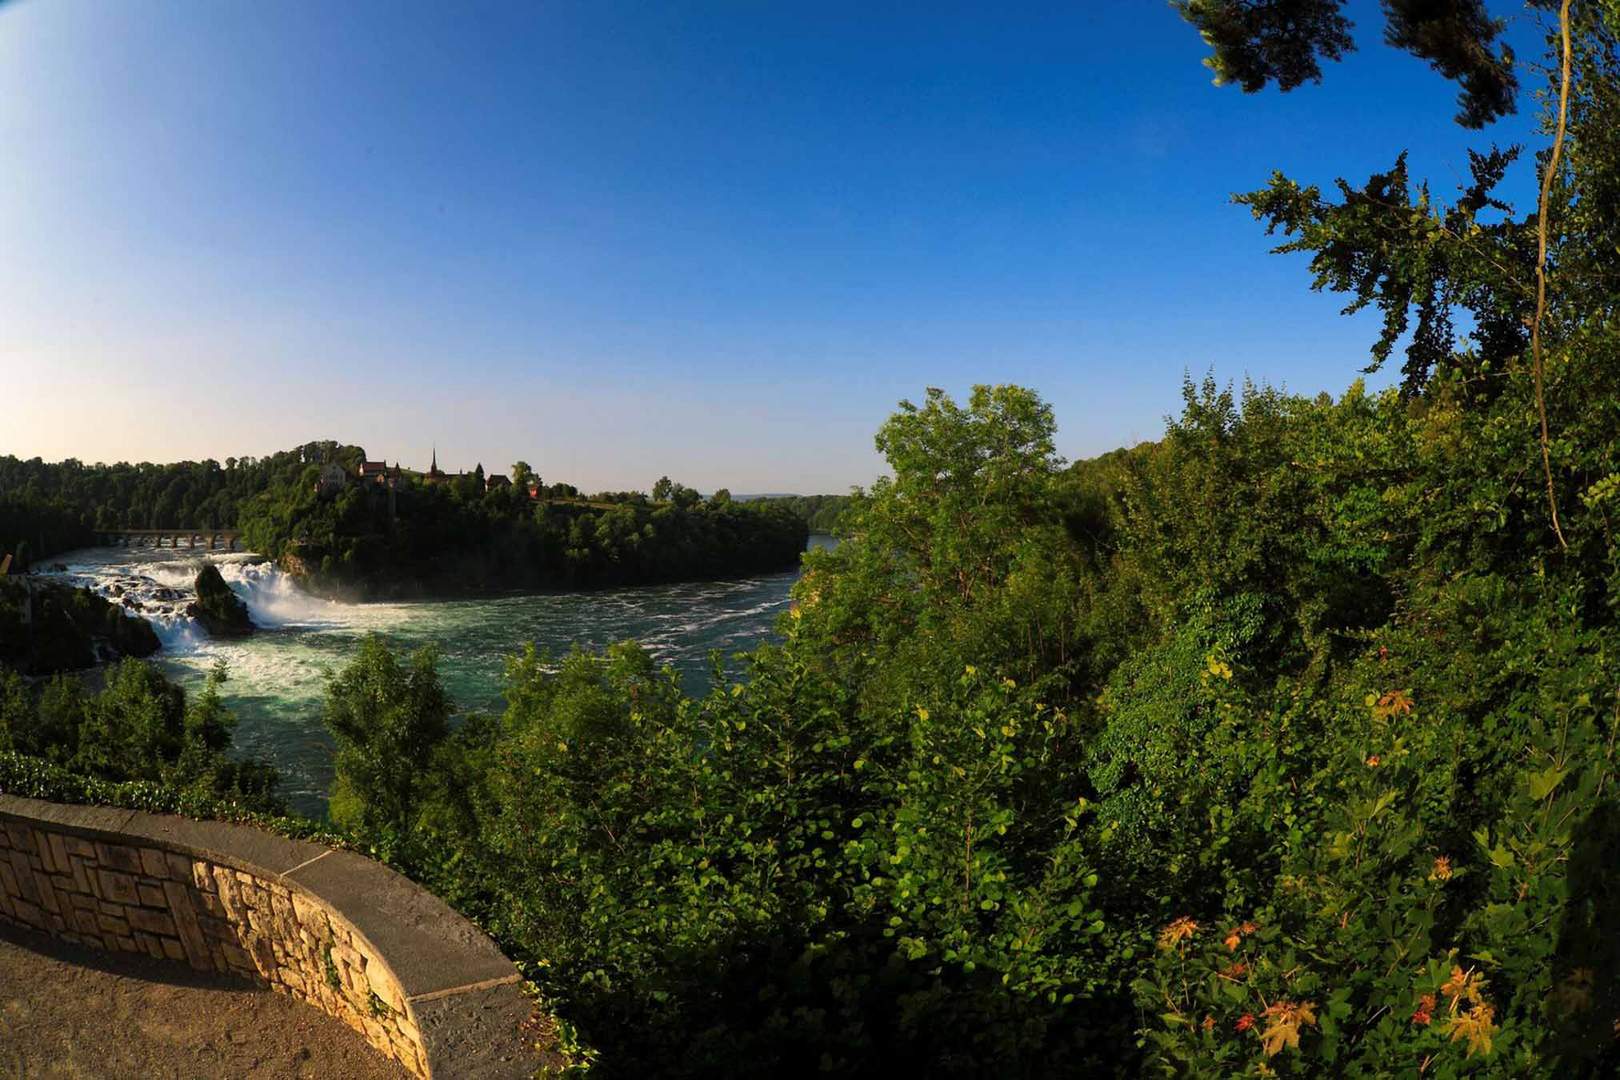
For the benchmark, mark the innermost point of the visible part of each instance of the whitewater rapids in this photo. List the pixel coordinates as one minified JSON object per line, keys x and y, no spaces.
{"x":279,"y":675}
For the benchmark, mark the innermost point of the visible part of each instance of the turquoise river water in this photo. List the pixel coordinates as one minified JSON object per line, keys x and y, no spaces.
{"x":278,"y":676}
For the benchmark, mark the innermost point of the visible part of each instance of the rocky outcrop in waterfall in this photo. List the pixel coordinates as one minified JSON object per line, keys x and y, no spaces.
{"x":217,"y":609}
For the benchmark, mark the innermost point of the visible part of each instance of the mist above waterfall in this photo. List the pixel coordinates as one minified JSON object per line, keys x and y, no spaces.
{"x":158,"y":585}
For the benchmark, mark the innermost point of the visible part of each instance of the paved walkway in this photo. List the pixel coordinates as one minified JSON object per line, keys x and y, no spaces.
{"x":72,"y":1012}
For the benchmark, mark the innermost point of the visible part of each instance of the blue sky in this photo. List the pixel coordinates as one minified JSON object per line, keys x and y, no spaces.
{"x":713,"y":240}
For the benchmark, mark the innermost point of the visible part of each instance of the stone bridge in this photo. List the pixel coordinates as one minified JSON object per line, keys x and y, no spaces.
{"x":209,"y":538}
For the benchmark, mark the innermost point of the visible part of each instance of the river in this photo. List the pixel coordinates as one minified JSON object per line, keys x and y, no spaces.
{"x":278,"y":676}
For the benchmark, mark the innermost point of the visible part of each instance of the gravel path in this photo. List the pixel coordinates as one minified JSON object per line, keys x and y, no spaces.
{"x":66,"y":1011}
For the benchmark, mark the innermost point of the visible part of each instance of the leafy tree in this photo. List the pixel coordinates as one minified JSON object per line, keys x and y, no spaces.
{"x":822,"y":513}
{"x":388,"y":721}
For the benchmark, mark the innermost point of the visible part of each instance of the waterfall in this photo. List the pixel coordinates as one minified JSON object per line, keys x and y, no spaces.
{"x":158,"y":585}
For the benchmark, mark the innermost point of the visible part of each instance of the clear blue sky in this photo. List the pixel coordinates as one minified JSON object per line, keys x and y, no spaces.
{"x":714,"y":240}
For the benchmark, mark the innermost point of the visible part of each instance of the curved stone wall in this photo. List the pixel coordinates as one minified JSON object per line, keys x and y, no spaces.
{"x":332,"y":928}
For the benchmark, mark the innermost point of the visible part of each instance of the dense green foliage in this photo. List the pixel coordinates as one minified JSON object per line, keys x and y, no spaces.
{"x":455,"y":536}
{"x":139,"y":727}
{"x":32,"y":529}
{"x":388,"y":723}
{"x":47,"y":627}
{"x":186,"y":494}
{"x":822,"y":513}
{"x":1251,"y":735}
{"x":447,"y":537}
{"x":33,"y":777}
{"x":1281,"y":746}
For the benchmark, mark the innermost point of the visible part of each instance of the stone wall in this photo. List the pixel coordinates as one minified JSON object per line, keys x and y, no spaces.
{"x":333,"y":929}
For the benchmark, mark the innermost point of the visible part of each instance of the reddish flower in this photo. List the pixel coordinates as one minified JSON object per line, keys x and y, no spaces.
{"x":1425,"y":1010}
{"x":1178,"y":931}
{"x":1245,"y":1022}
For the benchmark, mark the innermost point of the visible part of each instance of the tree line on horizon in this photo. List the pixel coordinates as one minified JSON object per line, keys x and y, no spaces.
{"x":455,"y":536}
{"x":439,"y":536}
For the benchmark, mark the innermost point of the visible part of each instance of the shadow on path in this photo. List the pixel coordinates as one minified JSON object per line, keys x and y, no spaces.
{"x":69,"y":1011}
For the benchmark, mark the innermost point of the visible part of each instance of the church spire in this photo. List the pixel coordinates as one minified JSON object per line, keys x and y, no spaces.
{"x":434,"y":468}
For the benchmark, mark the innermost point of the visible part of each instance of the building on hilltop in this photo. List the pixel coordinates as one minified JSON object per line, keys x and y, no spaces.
{"x":374,"y":471}
{"x":436,"y":475}
{"x":496,"y":480}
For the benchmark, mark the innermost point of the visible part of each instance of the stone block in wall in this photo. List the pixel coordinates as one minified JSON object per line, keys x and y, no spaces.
{"x":153,"y":922}
{"x":47,"y":894}
{"x":59,"y":852}
{"x":119,"y":857}
{"x":29,"y":913}
{"x":42,"y":851}
{"x":118,"y":887}
{"x":83,"y":869}
{"x":225,"y":888}
{"x":185,"y":923}
{"x":152,"y":946}
{"x":20,"y":882}
{"x":86,"y":921}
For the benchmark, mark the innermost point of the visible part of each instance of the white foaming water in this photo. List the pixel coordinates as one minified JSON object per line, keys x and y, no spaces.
{"x":158,"y":585}
{"x":279,"y":675}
